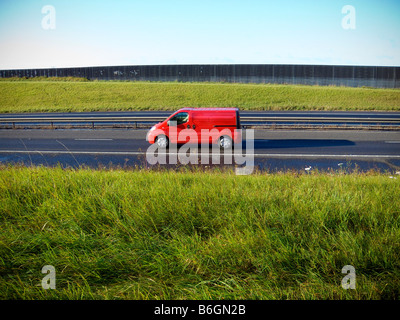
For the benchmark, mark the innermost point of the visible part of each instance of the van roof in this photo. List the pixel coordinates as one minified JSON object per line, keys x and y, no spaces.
{"x":210,"y":109}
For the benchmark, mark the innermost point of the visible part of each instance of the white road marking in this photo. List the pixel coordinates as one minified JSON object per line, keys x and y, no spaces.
{"x":259,"y":155}
{"x":81,"y":139}
{"x":392,"y":141}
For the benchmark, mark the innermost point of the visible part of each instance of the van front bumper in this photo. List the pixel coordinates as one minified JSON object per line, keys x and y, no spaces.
{"x":150,"y":137}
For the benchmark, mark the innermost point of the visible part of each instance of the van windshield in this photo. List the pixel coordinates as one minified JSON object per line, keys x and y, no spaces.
{"x":180,"y":117}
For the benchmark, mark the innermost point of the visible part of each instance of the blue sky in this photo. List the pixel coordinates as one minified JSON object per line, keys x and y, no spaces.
{"x":122,"y":32}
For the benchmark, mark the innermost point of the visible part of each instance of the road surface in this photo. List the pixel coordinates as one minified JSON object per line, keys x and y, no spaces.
{"x":273,"y":149}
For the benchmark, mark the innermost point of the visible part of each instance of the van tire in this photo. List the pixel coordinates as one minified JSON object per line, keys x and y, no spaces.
{"x":162,"y":141}
{"x":225,"y":142}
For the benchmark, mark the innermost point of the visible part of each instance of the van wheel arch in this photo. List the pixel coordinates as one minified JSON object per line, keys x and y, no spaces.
{"x":225,"y":142}
{"x":162,"y":141}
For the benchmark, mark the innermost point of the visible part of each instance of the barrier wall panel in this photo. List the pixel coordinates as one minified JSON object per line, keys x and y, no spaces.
{"x":343,"y":72}
{"x":354,"y":76}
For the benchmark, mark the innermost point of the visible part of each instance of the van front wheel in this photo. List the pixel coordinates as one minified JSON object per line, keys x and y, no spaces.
{"x":225,"y":142}
{"x":162,"y":141}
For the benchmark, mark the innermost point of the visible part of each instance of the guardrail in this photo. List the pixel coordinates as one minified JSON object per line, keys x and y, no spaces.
{"x":246,"y":121}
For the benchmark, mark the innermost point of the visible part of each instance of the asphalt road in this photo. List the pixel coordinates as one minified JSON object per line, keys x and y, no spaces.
{"x":273,"y":149}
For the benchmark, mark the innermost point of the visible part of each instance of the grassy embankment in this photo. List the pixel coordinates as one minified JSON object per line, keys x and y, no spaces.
{"x":197,"y":235}
{"x":71,"y":95}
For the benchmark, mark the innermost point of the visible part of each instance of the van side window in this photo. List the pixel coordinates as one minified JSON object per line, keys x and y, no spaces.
{"x":180,"y":117}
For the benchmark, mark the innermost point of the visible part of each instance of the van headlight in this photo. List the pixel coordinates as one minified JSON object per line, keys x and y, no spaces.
{"x":152,"y":128}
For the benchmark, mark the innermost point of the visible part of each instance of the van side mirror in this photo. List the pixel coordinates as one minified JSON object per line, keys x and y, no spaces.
{"x":171,"y":123}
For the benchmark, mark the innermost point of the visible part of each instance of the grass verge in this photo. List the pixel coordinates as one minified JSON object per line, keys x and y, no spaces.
{"x":118,"y":234}
{"x":74,"y":95}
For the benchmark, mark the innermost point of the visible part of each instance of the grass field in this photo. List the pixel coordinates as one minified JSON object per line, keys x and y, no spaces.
{"x":72,"y":95}
{"x":192,"y":234}
{"x":139,"y":234}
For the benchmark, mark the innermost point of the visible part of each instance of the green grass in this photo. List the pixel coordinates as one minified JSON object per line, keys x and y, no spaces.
{"x":72,"y":95}
{"x":139,"y":234}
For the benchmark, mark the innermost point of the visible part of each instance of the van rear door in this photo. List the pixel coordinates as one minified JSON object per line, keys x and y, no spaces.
{"x":238,"y":125}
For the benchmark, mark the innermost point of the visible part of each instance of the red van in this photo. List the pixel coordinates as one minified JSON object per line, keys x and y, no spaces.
{"x":198,"y":125}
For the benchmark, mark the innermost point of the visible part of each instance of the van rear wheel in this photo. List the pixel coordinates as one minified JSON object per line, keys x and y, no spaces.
{"x":225,"y":142}
{"x":162,"y":141}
